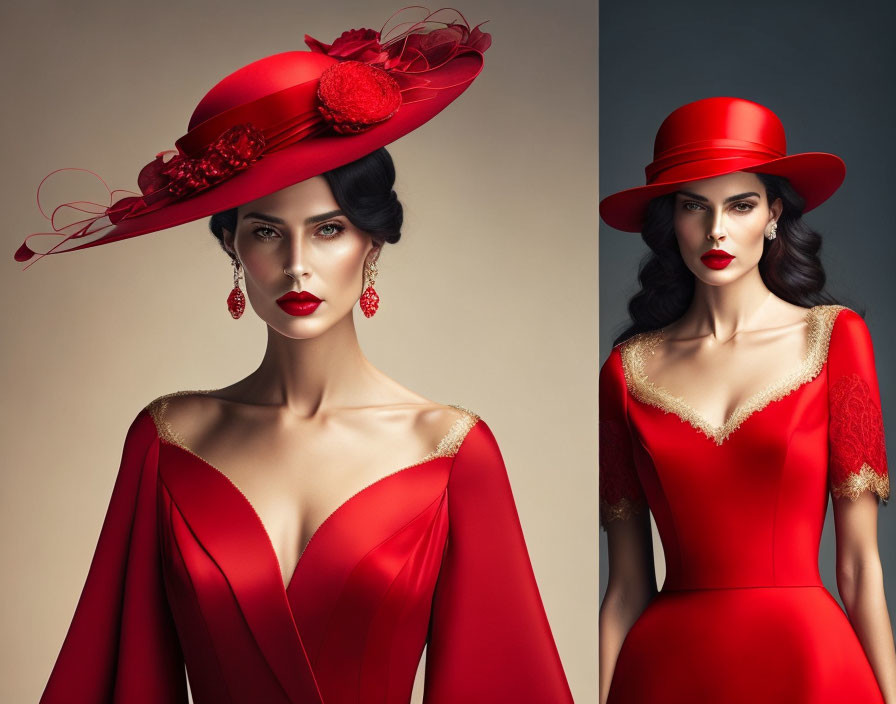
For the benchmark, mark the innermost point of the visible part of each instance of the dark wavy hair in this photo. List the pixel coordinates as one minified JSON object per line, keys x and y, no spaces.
{"x":363,"y":190}
{"x":790,"y":266}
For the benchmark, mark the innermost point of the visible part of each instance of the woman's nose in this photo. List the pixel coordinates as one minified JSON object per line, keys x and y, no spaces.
{"x":296,"y":259}
{"x":717,"y":226}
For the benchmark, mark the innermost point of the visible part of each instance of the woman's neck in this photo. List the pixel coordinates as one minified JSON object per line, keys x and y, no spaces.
{"x":722,"y":311}
{"x":310,"y":375}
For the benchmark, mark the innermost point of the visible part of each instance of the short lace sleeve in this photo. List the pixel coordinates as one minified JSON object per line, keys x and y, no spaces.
{"x":858,"y":455}
{"x":621,"y":494}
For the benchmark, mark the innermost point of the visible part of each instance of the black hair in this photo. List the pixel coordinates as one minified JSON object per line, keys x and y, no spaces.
{"x":790,"y":266}
{"x":363,"y":190}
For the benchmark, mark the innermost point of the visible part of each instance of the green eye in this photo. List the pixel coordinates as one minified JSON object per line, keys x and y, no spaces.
{"x":330,"y":229}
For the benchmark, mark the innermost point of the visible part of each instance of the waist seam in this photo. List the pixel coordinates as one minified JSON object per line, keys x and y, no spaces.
{"x":754,"y":586}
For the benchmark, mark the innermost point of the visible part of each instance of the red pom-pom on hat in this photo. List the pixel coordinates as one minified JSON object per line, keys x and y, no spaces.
{"x":355,"y":96}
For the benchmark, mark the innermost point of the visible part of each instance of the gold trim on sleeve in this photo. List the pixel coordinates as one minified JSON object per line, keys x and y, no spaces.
{"x":157,"y":408}
{"x":865,"y":479}
{"x":452,"y":440}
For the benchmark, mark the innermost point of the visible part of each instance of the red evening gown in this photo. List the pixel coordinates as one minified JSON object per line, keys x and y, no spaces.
{"x":742,"y":615}
{"x":184,"y":574}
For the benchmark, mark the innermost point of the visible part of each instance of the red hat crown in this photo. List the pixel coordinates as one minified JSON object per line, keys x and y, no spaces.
{"x":259,"y":79}
{"x":715,"y":128}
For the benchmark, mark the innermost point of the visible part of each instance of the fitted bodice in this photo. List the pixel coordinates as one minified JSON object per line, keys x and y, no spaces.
{"x":742,"y":504}
{"x":748,"y":511}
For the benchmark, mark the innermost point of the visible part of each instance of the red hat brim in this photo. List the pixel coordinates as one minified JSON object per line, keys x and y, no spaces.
{"x":293,"y":164}
{"x":814,"y":175}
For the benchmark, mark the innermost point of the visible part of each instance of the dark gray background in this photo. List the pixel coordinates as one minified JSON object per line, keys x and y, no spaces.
{"x":827,"y":70}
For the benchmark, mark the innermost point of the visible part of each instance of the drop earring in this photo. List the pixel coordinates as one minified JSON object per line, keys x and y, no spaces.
{"x":772,"y":231}
{"x":370,"y":301}
{"x":236,"y":301}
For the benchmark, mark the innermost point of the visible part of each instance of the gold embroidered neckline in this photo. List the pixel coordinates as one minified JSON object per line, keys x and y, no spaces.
{"x":820,"y":320}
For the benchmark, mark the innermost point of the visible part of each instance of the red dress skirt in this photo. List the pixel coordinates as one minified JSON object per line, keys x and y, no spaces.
{"x":742,"y":615}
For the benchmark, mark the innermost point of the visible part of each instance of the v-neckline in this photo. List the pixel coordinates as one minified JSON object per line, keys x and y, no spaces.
{"x":820,"y":321}
{"x":447,"y":446}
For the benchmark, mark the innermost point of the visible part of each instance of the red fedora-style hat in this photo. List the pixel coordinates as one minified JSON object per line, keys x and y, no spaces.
{"x":717,"y":136}
{"x":285,"y":118}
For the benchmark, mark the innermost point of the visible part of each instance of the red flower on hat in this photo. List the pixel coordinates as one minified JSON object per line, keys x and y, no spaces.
{"x":412,"y":51}
{"x":353,"y":44}
{"x":420,"y":52}
{"x":233,"y":151}
{"x":355,"y":96}
{"x":186,"y":176}
{"x":365,"y":87}
{"x":240,"y":146}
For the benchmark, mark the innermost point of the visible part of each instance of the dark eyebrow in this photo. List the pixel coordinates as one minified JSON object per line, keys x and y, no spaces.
{"x":323,"y":216}
{"x":308,"y":221}
{"x":739,"y":196}
{"x":266,"y":218}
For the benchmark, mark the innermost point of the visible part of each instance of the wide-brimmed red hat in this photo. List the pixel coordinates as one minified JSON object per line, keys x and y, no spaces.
{"x":717,"y":136}
{"x":285,"y":118}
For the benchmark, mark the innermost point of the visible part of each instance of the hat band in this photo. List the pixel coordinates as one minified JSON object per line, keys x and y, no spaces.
{"x":293,"y":105}
{"x":707,"y":150}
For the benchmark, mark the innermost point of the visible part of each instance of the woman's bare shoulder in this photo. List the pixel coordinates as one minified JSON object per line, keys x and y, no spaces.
{"x":430,"y":422}
{"x":184,"y":413}
{"x":444,"y":421}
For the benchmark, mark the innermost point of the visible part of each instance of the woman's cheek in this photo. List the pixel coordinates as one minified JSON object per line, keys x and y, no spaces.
{"x":689,"y":241}
{"x":261,"y":263}
{"x":342,"y":260}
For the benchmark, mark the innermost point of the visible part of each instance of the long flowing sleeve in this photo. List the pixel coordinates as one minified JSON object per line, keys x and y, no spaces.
{"x":621,"y":494}
{"x":489,"y":640}
{"x":857,"y":448}
{"x":122,"y":645}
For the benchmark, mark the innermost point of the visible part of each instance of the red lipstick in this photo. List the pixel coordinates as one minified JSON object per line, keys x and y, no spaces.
{"x":301,"y":303}
{"x":716,"y":258}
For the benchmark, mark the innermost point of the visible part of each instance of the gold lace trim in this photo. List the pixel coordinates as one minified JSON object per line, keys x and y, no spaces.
{"x":865,"y":478}
{"x":157,"y":408}
{"x":447,"y":447}
{"x":820,"y":320}
{"x":620,"y":511}
{"x":451,"y":442}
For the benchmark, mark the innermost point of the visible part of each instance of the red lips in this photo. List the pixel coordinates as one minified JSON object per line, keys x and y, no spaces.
{"x":299,"y":303}
{"x":716,"y":258}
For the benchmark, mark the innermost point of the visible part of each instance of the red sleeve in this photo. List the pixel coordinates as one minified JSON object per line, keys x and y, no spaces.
{"x":490,"y":640}
{"x":122,"y":646}
{"x":621,"y":494}
{"x":858,"y":453}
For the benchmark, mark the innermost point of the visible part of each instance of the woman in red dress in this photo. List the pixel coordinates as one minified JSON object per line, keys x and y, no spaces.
{"x":301,"y":535}
{"x":741,"y":395}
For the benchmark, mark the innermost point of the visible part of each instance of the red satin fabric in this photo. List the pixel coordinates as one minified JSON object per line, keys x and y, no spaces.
{"x":742,"y":615}
{"x":184,"y":574}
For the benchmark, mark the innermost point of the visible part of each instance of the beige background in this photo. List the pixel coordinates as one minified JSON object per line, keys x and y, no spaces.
{"x":489,"y":301}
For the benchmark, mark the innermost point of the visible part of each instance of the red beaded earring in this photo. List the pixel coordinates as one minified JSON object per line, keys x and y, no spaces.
{"x":236,"y":301}
{"x":370,"y":301}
